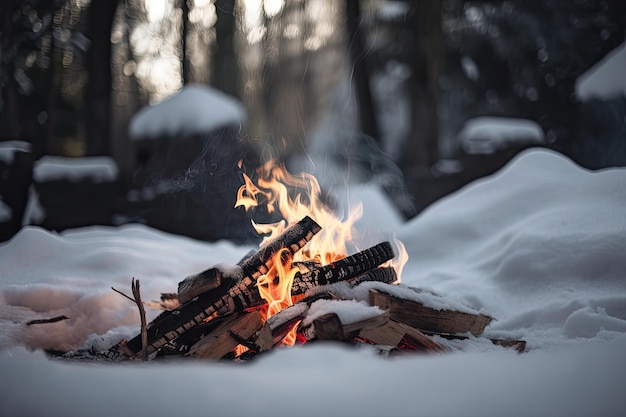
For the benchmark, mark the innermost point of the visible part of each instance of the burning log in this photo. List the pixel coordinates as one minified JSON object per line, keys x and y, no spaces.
{"x":422,"y":317}
{"x":229,"y":297}
{"x":343,"y":269}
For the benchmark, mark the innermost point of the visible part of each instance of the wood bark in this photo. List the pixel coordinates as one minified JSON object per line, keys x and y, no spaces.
{"x":422,"y":317}
{"x":221,"y":340}
{"x":343,"y":269}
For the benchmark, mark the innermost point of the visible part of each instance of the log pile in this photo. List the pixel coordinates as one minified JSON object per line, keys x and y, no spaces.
{"x":220,"y":313}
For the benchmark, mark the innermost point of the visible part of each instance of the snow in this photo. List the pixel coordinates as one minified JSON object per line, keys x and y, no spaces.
{"x":5,"y":212}
{"x":485,"y":135}
{"x":538,"y":246}
{"x":55,"y":168}
{"x":348,"y":311}
{"x":9,"y":147}
{"x":195,"y":109}
{"x":605,"y":80}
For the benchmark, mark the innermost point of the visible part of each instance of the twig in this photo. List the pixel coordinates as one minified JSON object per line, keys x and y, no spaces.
{"x":121,"y":293}
{"x":50,"y":320}
{"x":142,"y":313}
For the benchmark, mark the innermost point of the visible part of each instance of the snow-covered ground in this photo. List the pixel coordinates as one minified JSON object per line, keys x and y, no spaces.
{"x":539,"y":246}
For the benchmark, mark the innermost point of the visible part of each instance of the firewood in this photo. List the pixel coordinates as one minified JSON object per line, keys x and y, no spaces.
{"x":341,"y":270}
{"x":422,"y":317}
{"x":279,"y":325}
{"x":393,"y":332}
{"x":199,"y":283}
{"x":518,"y":345}
{"x":229,"y":297}
{"x":330,"y":327}
{"x":222,"y":340}
{"x":387,"y":275}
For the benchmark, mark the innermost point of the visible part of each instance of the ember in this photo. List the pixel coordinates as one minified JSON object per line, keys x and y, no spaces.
{"x":300,"y":286}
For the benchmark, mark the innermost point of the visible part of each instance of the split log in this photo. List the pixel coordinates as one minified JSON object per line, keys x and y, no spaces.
{"x":222,"y":340}
{"x":421,"y":317}
{"x":393,"y":333}
{"x":518,"y":345}
{"x":330,"y":327}
{"x":229,"y":297}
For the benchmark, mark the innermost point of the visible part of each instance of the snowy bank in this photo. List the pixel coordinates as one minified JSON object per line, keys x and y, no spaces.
{"x":195,"y":109}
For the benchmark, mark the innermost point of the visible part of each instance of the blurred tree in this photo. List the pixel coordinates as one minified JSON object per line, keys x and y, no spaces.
{"x":101,"y":14}
{"x":360,"y":70}
{"x":522,"y":59}
{"x":225,"y":67}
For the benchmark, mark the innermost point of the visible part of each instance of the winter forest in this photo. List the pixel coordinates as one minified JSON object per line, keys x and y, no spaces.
{"x":148,"y":140}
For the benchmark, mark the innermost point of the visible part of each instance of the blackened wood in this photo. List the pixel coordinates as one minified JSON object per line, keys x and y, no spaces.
{"x":229,"y":297}
{"x":387,"y":275}
{"x":45,"y":321}
{"x":199,"y":283}
{"x":221,"y":341}
{"x":343,"y":269}
{"x":294,"y":238}
{"x":422,"y":317}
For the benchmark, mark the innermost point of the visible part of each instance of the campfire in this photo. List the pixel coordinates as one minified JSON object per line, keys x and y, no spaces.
{"x":302,"y":285}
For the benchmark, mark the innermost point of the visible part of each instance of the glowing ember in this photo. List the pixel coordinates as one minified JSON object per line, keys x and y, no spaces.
{"x":294,"y":197}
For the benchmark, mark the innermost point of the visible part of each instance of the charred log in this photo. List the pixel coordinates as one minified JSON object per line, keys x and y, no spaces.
{"x":343,"y":269}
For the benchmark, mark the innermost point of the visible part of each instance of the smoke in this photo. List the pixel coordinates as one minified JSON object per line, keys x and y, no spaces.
{"x":189,"y":185}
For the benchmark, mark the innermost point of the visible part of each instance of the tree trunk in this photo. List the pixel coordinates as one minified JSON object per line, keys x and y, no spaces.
{"x":225,"y":69}
{"x":365,"y":105}
{"x":186,"y":70}
{"x":98,"y":91}
{"x":426,"y":64}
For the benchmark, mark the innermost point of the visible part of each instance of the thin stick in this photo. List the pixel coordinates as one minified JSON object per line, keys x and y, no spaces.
{"x":121,"y":293}
{"x":142,"y":313}
{"x":44,"y":321}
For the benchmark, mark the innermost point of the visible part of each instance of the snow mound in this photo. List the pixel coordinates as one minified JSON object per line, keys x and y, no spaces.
{"x":95,"y":168}
{"x":606,"y":79}
{"x":46,"y":275}
{"x":485,"y":135}
{"x":539,"y":246}
{"x":196,"y":109}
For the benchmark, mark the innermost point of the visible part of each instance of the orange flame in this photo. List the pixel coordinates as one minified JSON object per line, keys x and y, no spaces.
{"x":294,"y":197}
